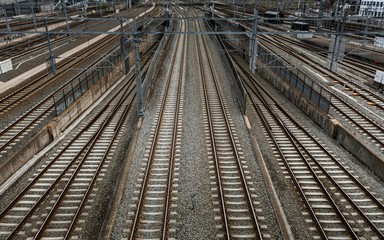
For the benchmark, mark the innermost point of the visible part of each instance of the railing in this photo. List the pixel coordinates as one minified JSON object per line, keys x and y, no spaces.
{"x":237,"y":83}
{"x":307,"y":86}
{"x":84,"y":81}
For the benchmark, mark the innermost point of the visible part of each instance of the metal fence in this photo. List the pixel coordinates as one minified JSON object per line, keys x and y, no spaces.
{"x":241,"y":93}
{"x":84,"y":81}
{"x":296,"y":78}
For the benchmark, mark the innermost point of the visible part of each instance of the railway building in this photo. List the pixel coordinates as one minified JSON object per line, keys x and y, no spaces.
{"x":372,"y":8}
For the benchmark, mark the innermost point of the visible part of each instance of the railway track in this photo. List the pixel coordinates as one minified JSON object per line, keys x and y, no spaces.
{"x":153,"y":215}
{"x":28,"y":122}
{"x":361,"y":91}
{"x":43,"y":110}
{"x":349,"y":62}
{"x":369,"y":128}
{"x":337,"y":204}
{"x":58,"y":196}
{"x":361,"y":123}
{"x":20,"y":52}
{"x":237,"y":213}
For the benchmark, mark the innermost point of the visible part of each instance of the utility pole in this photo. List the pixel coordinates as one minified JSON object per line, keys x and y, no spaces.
{"x":122,"y":47}
{"x":52,"y":62}
{"x":337,"y":49}
{"x":33,"y":15}
{"x":253,"y":43}
{"x":320,"y":16}
{"x":6,"y":21}
{"x":366,"y":24}
{"x":139,"y":89}
{"x":66,"y":19}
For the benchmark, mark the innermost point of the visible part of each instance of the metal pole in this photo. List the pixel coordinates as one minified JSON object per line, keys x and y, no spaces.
{"x":253,"y":43}
{"x":366,"y":25}
{"x":85,"y":8}
{"x":139,"y":89}
{"x":66,"y":21}
{"x":51,"y":55}
{"x":337,"y":9}
{"x":320,"y":16}
{"x":33,"y":15}
{"x":340,"y":38}
{"x":336,"y":45}
{"x":6,"y":21}
{"x":122,"y":46}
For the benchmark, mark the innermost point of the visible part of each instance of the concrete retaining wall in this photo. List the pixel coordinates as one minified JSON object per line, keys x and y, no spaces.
{"x":18,"y":159}
{"x":57,"y":125}
{"x":60,"y":123}
{"x":359,"y":149}
{"x":341,"y":134}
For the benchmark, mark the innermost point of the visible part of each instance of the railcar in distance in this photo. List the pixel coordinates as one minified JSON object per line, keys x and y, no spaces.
{"x":273,"y":17}
{"x":300,"y":26}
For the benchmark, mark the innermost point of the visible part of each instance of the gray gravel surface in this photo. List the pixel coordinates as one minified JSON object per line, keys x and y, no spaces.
{"x":194,"y":206}
{"x":226,"y":82}
{"x":149,"y":117}
{"x":195,"y":217}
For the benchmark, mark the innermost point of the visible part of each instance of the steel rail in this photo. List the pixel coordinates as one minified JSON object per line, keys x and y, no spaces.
{"x":38,"y":176}
{"x":40,"y":82}
{"x":42,"y":75}
{"x":325,"y":192}
{"x":327,"y":72}
{"x":212,"y":137}
{"x":152,"y":151}
{"x":44,"y":101}
{"x":28,"y":47}
{"x":175,"y":127}
{"x":105,"y":123}
{"x":370,"y":121}
{"x":361,"y":186}
{"x":299,"y":145}
{"x":294,"y":179}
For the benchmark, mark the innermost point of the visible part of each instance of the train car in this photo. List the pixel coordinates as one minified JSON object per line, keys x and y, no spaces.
{"x":301,"y":26}
{"x":273,"y":17}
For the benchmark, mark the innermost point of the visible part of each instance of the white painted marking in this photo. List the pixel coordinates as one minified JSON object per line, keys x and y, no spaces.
{"x":381,"y":118}
{"x":42,"y":67}
{"x":31,"y":58}
{"x":321,"y":78}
